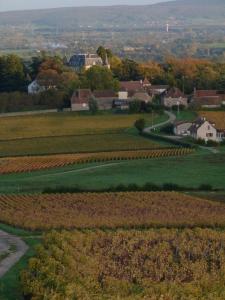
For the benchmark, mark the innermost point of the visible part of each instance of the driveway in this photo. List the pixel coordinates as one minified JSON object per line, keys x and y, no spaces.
{"x":171,"y":120}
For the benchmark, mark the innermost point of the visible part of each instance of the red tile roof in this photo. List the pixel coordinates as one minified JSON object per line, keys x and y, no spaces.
{"x":174,"y":93}
{"x":104,"y":94}
{"x":205,"y":93}
{"x":131,"y":85}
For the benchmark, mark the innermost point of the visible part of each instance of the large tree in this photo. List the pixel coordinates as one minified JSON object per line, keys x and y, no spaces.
{"x":100,"y":78}
{"x":12,"y":74}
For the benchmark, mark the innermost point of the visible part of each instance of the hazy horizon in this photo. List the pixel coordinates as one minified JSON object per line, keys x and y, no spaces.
{"x":10,"y":5}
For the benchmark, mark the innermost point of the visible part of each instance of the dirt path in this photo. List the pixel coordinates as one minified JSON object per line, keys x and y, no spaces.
{"x":13,"y":248}
{"x":58,"y":173}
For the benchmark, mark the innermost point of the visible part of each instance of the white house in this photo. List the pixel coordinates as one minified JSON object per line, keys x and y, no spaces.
{"x":35,"y":88}
{"x":182,"y":128}
{"x":204,"y":130}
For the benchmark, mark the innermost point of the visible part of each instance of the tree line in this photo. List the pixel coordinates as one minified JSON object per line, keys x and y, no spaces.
{"x":16,"y":74}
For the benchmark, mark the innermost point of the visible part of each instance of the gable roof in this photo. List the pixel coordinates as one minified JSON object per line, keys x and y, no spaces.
{"x":131,"y":85}
{"x":209,"y":93}
{"x":208,"y":97}
{"x":198,"y":123}
{"x":142,"y":95}
{"x":159,"y":87}
{"x":174,"y":93}
{"x":104,"y":94}
{"x":146,"y":82}
{"x":205,"y":93}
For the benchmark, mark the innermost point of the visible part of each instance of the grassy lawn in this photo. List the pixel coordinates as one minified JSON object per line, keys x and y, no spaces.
{"x":186,"y":115}
{"x":189,"y":171}
{"x":10,"y":283}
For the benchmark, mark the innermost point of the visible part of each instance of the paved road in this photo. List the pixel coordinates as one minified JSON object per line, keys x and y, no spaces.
{"x":16,"y":248}
{"x":171,"y":120}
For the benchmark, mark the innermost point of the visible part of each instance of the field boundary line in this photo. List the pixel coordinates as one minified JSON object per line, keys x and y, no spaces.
{"x":74,"y":171}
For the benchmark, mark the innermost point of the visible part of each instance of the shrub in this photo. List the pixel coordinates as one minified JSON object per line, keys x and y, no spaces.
{"x":140,"y":125}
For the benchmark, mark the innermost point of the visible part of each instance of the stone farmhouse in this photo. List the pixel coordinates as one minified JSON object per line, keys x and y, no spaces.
{"x":208,"y":98}
{"x":80,"y":99}
{"x":174,"y":97}
{"x":132,"y":87}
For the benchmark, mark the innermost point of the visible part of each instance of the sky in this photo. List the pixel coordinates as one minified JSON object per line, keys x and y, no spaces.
{"x":6,"y":5}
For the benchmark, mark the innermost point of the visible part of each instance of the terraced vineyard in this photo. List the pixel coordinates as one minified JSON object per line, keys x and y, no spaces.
{"x":129,"y":265}
{"x":111,"y":210}
{"x":25,"y":164}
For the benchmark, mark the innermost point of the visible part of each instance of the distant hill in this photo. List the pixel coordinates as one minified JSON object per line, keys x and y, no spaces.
{"x":184,"y":11}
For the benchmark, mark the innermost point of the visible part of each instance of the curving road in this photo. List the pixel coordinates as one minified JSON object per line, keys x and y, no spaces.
{"x":14,"y":248}
{"x":171,"y":120}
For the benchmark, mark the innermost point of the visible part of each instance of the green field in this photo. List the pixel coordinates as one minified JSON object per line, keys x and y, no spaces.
{"x":71,"y":133}
{"x":188,"y":171}
{"x":186,"y":115}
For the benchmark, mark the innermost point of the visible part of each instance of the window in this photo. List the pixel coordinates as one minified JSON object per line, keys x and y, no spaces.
{"x":209,"y":135}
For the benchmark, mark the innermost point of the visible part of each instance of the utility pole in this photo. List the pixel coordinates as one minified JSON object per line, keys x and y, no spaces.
{"x":183,"y":78}
{"x":152,"y":117}
{"x":178,"y":108}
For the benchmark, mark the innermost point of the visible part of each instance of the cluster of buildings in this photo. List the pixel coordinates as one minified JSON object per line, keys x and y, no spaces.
{"x":141,"y":90}
{"x":144,"y":91}
{"x":107,"y":99}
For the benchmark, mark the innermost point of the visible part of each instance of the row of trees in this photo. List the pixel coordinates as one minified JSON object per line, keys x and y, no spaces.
{"x":186,"y":74}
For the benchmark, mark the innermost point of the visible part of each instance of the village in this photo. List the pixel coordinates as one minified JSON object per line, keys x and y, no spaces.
{"x":112,"y":150}
{"x":142,"y":91}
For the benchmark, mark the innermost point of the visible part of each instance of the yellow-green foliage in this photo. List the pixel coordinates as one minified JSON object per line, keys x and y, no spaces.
{"x":109,"y":210}
{"x":154,"y":265}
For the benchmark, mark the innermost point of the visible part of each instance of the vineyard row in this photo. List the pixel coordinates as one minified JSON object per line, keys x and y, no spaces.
{"x":27,"y":164}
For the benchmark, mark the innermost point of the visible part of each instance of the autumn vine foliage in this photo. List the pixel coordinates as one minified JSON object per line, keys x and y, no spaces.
{"x":126,"y":265}
{"x":109,"y":210}
{"x":35,"y":163}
